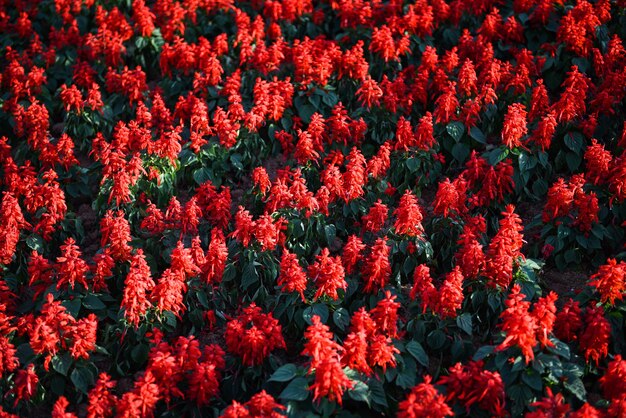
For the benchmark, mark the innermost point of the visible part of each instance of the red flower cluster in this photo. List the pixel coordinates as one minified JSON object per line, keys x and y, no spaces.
{"x":330,"y":380}
{"x":253,"y":335}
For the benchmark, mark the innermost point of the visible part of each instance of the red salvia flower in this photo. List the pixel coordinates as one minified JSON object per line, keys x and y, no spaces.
{"x":253,"y":335}
{"x":292,"y":277}
{"x":505,"y":249}
{"x":448,"y":199}
{"x":375,"y":219}
{"x":514,"y":128}
{"x":25,"y":387}
{"x":355,"y":176}
{"x":264,"y":405}
{"x":450,"y":294}
{"x":553,"y":406}
{"x":328,"y":275}
{"x":8,"y":358}
{"x":377,"y":269}
{"x":261,"y":179}
{"x":12,"y":222}
{"x":115,"y":231}
{"x":381,"y":352}
{"x":137,"y":286}
{"x":369,"y":93}
{"x":244,"y":227}
{"x":267,"y":232}
{"x":101,"y":400}
{"x":385,"y":314}
{"x":470,"y":257}
{"x":216,"y":257}
{"x":518,"y":325}
{"x":544,"y":315}
{"x":59,"y":409}
{"x":424,"y":402}
{"x":70,"y":267}
{"x":352,"y":253}
{"x":408,"y":216}
{"x":594,"y":340}
{"x":598,"y":163}
{"x":204,"y":383}
{"x":568,"y":321}
{"x":355,"y":347}
{"x":330,"y":380}
{"x":471,"y":384}
{"x":610,"y":281}
{"x":613,"y":382}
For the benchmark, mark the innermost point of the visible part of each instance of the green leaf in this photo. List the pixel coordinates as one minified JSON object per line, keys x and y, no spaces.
{"x":464,"y":322}
{"x":249,"y":275}
{"x":478,"y":135}
{"x":455,"y":129}
{"x":296,"y":390}
{"x":526,"y":162}
{"x":318,"y":309}
{"x":436,"y":339}
{"x":573,"y":160}
{"x":483,"y":352}
{"x":202,"y":175}
{"x":416,"y":350}
{"x":139,"y":354}
{"x":413,"y":164}
{"x":62,"y":363}
{"x":533,"y":380}
{"x":460,"y":152}
{"x":496,"y":155}
{"x":560,"y":348}
{"x":574,"y":141}
{"x":576,"y":387}
{"x":92,"y":302}
{"x":360,"y":392}
{"x":284,"y":373}
{"x":82,"y":378}
{"x":377,"y":393}
{"x":341,"y":318}
{"x":35,"y":243}
{"x":72,"y":306}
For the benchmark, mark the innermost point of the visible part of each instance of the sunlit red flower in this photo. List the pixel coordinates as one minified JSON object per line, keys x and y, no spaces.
{"x":253,"y":335}
{"x":424,"y":402}
{"x":328,"y":275}
{"x":518,"y":324}
{"x":292,"y":276}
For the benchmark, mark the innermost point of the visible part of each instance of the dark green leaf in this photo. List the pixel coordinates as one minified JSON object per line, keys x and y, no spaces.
{"x":296,"y":390}
{"x":455,"y":129}
{"x":318,"y":309}
{"x":92,"y":302}
{"x":533,"y":380}
{"x":284,"y":373}
{"x":416,"y":350}
{"x":82,"y":378}
{"x":576,"y":387}
{"x":496,"y":155}
{"x":460,"y":152}
{"x":35,"y":242}
{"x":61,"y":363}
{"x":377,"y":393}
{"x":341,"y":318}
{"x":436,"y":339}
{"x":360,"y":392}
{"x":464,"y":321}
{"x":478,"y":135}
{"x":483,"y":352}
{"x":574,"y":141}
